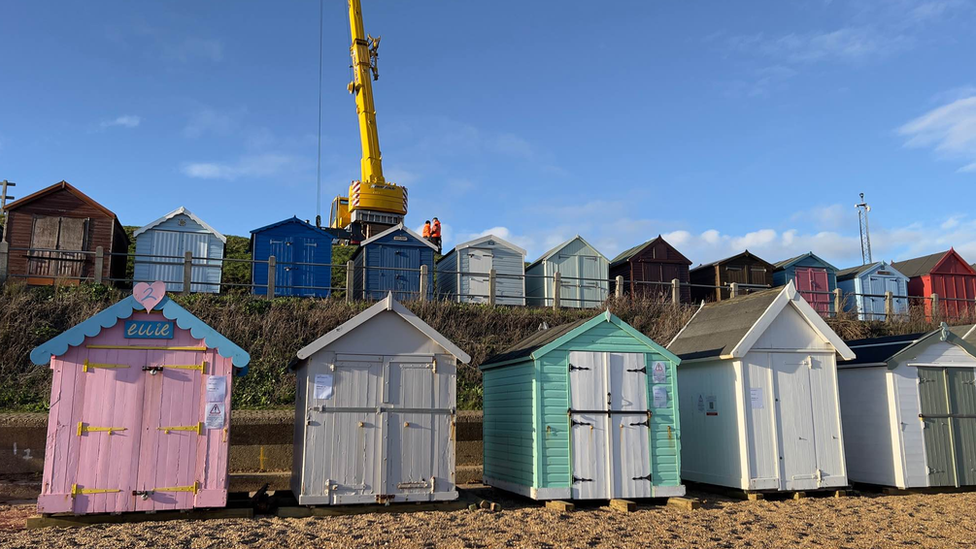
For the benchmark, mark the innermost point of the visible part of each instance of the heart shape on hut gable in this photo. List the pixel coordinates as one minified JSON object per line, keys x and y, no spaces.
{"x":149,"y":295}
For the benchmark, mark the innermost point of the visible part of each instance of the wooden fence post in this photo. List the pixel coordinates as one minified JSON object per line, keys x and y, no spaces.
{"x":675,"y":291}
{"x":350,"y":272}
{"x":619,"y":290}
{"x":272,"y":267}
{"x":4,"y":261}
{"x":99,"y":263}
{"x":187,"y":271}
{"x":936,"y":309}
{"x":492,"y":285}
{"x":838,"y":301}
{"x":734,"y":289}
{"x":423,"y":283}
{"x":889,"y":306}
{"x":556,"y":283}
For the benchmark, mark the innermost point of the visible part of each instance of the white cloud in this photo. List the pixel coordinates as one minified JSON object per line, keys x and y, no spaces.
{"x":191,"y":48}
{"x":950,"y":130}
{"x":831,"y":218}
{"x":850,"y":44}
{"x":209,"y":121}
{"x":260,"y":165}
{"x":124,"y":121}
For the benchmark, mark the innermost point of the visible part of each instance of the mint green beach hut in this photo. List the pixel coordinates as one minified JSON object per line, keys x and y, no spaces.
{"x":586,"y":410}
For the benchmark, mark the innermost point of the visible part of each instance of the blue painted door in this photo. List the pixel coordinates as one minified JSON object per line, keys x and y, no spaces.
{"x":282,"y":250}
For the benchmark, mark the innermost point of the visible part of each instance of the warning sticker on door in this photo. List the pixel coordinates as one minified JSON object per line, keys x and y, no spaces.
{"x":216,"y":413}
{"x":659,"y":373}
{"x":323,"y":386}
{"x":216,"y":388}
{"x":660,"y":397}
{"x":701,"y":403}
{"x":711,"y":407}
{"x":756,"y":397}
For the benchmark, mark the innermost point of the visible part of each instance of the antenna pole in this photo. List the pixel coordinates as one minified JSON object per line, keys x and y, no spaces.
{"x":862,"y":223}
{"x":318,"y":166}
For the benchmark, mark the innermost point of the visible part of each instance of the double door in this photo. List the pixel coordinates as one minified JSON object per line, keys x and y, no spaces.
{"x":582,"y":284}
{"x":294,"y":276}
{"x":813,"y":284}
{"x":166,"y":262}
{"x":947,"y":409}
{"x":808,"y":432}
{"x":610,"y":422}
{"x":874,"y":304}
{"x":140,"y":436}
{"x":381,"y":433}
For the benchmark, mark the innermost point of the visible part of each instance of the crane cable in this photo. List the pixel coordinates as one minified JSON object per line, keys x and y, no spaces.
{"x":318,"y":168}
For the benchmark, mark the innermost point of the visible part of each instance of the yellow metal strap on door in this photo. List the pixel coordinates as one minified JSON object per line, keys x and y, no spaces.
{"x":198,"y":428}
{"x":75,"y":491}
{"x":87,"y":365}
{"x":144,"y":348}
{"x":191,"y":488}
{"x":82,"y":428}
{"x":202,"y":367}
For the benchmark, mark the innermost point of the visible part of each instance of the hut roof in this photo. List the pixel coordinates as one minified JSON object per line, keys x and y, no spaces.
{"x":746,"y":253}
{"x":540,"y":343}
{"x":473,"y":243}
{"x":109,"y":317}
{"x":884,"y":350}
{"x":729,"y":328}
{"x":629,"y":253}
{"x":293,"y":219}
{"x":63,"y":185}
{"x":387,"y":304}
{"x":393,"y":229}
{"x":920,"y":265}
{"x":178,"y":211}
{"x":787,"y":262}
{"x":556,"y":249}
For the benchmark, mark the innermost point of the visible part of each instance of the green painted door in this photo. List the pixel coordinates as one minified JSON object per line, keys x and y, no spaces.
{"x":934,"y":413}
{"x":962,"y":402}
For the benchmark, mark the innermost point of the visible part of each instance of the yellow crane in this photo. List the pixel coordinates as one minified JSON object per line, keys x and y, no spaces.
{"x":373,"y":201}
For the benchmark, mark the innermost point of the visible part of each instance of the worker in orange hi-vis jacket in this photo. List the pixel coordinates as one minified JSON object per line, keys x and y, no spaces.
{"x":426,"y":232}
{"x":435,"y":234}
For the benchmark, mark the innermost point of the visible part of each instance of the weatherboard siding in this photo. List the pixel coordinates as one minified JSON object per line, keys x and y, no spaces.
{"x":166,"y":243}
{"x":509,"y":420}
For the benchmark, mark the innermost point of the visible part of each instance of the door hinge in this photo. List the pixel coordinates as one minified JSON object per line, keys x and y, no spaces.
{"x":159,"y":368}
{"x":195,"y":487}
{"x":574,"y":422}
{"x":580,"y":479}
{"x":89,"y":365}
{"x":646,"y":477}
{"x":644,"y":423}
{"x":642,"y":369}
{"x":198,"y":428}
{"x":76,"y":491}
{"x":571,"y":368}
{"x":82,"y":428}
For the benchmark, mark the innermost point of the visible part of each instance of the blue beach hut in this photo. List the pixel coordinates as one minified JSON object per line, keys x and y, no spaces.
{"x":302,"y":253}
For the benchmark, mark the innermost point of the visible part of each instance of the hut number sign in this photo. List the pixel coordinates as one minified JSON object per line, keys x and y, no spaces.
{"x":148,"y":329}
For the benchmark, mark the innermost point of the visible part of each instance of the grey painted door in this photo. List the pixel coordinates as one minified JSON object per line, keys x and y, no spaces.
{"x":962,"y":402}
{"x":797,"y":434}
{"x":479,"y":263}
{"x":934,"y":413}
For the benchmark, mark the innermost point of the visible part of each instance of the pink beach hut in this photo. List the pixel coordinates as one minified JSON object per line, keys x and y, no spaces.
{"x":140,"y":409}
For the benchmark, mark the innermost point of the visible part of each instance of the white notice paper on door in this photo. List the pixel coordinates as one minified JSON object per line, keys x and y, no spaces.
{"x":660,"y":397}
{"x":216,"y":388}
{"x":659,"y":373}
{"x":216,"y":412}
{"x":323,"y":386}
{"x":756,"y":396}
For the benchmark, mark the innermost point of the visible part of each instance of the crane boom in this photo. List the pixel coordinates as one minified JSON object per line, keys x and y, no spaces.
{"x":373,"y":201}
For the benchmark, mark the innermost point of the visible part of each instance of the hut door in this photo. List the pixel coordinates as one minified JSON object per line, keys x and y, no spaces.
{"x":50,"y":235}
{"x":794,"y":411}
{"x":479,"y":263}
{"x":934,"y":412}
{"x":962,"y":402}
{"x":592,"y":288}
{"x":568,"y":267}
{"x":283,"y":251}
{"x":875,"y":305}
{"x":630,"y":420}
{"x":168,"y":268}
{"x":198,"y":244}
{"x":414,"y":424}
{"x":172,"y":430}
{"x":304,"y":275}
{"x":589,"y":406}
{"x":813,"y":285}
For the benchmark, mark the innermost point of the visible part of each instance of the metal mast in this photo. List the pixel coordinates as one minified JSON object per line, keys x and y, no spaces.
{"x":862,"y":222}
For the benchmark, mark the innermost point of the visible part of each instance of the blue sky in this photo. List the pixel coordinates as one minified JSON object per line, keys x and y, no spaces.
{"x":721,"y":125}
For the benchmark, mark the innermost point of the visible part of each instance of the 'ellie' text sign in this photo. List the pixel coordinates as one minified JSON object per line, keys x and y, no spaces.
{"x":148,"y":329}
